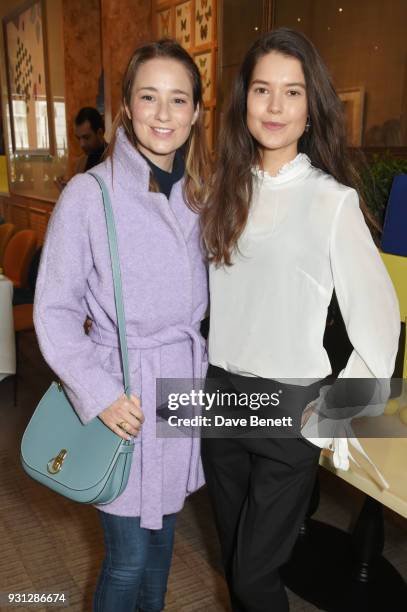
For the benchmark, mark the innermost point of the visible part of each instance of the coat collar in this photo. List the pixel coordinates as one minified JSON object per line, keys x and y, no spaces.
{"x":129,"y":170}
{"x":134,"y":170}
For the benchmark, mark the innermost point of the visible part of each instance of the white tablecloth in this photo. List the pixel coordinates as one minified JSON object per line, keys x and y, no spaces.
{"x":7,"y":342}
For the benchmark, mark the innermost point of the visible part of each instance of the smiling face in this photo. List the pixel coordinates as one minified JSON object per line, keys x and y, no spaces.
{"x":277,"y":106}
{"x":162,"y":109}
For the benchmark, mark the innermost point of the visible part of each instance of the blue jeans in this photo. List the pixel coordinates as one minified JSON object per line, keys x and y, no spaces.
{"x":136,"y":566}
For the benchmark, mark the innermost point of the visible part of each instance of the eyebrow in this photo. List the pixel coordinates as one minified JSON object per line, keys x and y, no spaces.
{"x":176,"y":91}
{"x":260,"y":82}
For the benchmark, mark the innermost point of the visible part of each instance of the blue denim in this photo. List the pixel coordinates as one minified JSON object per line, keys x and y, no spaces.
{"x":135,"y":570}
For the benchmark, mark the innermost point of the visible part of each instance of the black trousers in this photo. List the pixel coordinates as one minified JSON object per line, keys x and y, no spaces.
{"x":260,"y":489}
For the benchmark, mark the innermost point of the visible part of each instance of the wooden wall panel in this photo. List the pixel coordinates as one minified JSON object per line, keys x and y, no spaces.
{"x":241,"y":23}
{"x":26,"y":213}
{"x":38,"y":221}
{"x":83,"y":63}
{"x":125,"y":26}
{"x":364,"y":45}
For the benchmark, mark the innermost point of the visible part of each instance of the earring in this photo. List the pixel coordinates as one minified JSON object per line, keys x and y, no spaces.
{"x":308,"y":124}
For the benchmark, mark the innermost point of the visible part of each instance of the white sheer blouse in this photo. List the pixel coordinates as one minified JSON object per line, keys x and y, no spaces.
{"x":305,"y":235}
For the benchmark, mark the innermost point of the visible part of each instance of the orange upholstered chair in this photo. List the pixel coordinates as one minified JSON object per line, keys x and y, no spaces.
{"x":16,"y":263}
{"x":6,"y":232}
{"x":18,"y":255}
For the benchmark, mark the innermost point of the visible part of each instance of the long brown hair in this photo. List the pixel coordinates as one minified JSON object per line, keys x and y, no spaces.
{"x":197,"y":160}
{"x":226,"y":213}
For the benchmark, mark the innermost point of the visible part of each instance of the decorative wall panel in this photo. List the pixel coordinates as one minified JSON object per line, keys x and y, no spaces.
{"x":27,"y":79}
{"x":193,"y":24}
{"x":204,"y":22}
{"x":204,"y":63}
{"x":164,"y":23}
{"x":183,"y":24}
{"x":33,"y":176}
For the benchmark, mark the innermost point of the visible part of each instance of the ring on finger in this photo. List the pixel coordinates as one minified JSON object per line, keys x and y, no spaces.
{"x":123,"y":425}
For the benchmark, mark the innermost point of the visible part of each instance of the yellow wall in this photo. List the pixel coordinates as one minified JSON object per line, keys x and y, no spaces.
{"x":3,"y":174}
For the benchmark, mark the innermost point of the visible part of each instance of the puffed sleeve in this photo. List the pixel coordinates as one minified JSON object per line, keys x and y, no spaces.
{"x":365,"y":293}
{"x":59,"y":307}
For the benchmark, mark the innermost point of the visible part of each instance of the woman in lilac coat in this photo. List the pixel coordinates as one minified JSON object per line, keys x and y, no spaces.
{"x":156,"y":171}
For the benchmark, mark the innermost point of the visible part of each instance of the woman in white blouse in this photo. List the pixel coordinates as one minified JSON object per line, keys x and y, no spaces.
{"x":284,"y":228}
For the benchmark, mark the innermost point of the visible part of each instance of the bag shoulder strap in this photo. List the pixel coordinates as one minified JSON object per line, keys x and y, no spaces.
{"x":117,"y":281}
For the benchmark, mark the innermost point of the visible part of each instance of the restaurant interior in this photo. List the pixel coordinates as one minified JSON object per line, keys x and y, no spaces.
{"x":71,"y":54}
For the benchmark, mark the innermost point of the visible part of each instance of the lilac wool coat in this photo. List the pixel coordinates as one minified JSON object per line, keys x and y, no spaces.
{"x":165,"y":297}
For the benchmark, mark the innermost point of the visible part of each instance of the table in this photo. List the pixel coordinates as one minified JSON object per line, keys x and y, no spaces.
{"x":7,"y":339}
{"x":390,"y":456}
{"x":343,"y":572}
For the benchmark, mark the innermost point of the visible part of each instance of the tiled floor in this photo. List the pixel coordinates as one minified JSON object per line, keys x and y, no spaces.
{"x":48,"y":542}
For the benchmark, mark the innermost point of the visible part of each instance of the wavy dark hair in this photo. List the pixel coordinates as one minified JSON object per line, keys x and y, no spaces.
{"x":226,"y":213}
{"x":197,"y":159}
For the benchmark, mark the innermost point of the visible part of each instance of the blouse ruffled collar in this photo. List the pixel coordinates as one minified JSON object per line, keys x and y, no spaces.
{"x":293,"y":169}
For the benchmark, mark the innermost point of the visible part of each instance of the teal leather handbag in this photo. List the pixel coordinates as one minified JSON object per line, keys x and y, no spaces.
{"x":86,"y":463}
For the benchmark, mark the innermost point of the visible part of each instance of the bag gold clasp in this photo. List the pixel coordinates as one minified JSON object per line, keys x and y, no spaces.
{"x":54,"y":465}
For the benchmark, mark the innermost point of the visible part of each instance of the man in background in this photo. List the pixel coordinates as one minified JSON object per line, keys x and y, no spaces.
{"x":89,"y":130}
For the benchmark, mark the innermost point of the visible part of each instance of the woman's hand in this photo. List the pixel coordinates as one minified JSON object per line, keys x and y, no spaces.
{"x":124,"y":416}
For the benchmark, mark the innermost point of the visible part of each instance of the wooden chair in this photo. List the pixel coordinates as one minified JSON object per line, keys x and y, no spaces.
{"x":6,"y":232}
